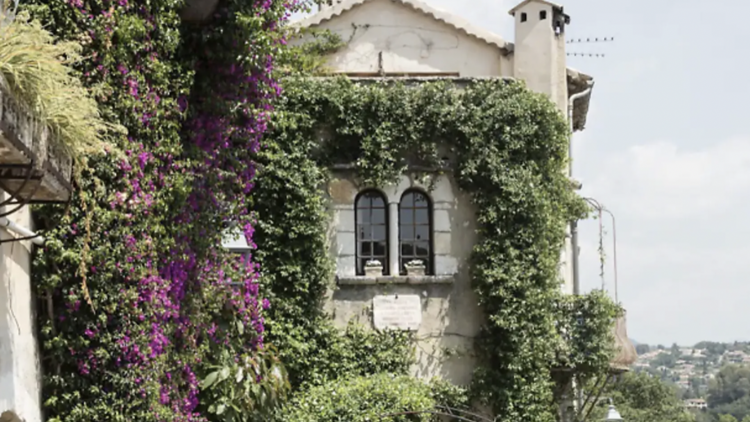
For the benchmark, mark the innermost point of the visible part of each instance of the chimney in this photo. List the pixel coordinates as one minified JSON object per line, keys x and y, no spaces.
{"x":539,"y":51}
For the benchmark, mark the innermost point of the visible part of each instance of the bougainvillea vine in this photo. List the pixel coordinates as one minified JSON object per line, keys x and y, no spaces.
{"x":145,"y":228}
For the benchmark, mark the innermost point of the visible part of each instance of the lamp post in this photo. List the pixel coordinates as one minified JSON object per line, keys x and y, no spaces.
{"x":601,"y":209}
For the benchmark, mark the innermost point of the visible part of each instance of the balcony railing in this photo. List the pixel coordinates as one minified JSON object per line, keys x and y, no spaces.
{"x":34,"y":168}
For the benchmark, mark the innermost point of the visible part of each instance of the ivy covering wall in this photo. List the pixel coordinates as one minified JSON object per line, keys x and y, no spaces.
{"x":139,"y":303}
{"x":509,"y":149}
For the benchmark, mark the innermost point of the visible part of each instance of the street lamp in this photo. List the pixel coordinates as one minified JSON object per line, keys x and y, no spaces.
{"x":235,"y":242}
{"x":613,"y":414}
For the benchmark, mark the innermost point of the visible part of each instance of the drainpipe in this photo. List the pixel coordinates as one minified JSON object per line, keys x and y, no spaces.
{"x":23,"y":231}
{"x":574,"y":224}
{"x":577,"y":390}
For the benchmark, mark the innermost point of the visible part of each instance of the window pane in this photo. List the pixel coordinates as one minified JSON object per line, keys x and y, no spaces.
{"x":423,"y":232}
{"x":372,"y":231}
{"x":365,"y":249}
{"x":422,"y":249}
{"x":422,"y":216}
{"x":378,"y":232}
{"x":378,"y":216}
{"x":406,"y":216}
{"x":407,"y":249}
{"x":407,"y":201}
{"x":406,"y":232}
{"x":420,"y":201}
{"x":379,"y":249}
{"x":364,"y":201}
{"x":363,"y":216}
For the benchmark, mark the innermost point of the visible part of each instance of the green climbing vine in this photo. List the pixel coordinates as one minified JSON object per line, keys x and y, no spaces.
{"x":509,"y":149}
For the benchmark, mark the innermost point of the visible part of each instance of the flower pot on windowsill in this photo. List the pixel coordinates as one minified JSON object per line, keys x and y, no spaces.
{"x":373,"y":269}
{"x":415,"y":268}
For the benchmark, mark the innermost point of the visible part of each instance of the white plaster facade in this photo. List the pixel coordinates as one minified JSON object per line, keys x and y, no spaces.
{"x":407,"y":41}
{"x":20,"y":381}
{"x":410,"y":39}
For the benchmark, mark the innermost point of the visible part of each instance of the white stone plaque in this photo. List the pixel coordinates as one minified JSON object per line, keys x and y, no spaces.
{"x":400,"y":312}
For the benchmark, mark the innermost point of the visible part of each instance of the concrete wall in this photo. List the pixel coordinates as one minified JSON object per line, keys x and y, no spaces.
{"x":409,"y":42}
{"x":19,"y":356}
{"x":450,"y":315}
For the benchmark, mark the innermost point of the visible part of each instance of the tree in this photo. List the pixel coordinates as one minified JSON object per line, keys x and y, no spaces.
{"x":729,"y":392}
{"x":712,"y":348}
{"x":727,"y":418}
{"x":642,"y":398}
{"x":642,"y":349}
{"x":664,"y":359}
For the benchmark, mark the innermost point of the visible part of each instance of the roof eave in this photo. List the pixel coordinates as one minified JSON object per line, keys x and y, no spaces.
{"x":419,"y":6}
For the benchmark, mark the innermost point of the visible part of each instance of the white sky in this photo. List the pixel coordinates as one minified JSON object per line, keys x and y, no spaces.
{"x":667,"y":149}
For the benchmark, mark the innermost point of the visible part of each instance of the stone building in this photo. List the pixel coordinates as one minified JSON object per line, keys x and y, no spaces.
{"x":396,"y":225}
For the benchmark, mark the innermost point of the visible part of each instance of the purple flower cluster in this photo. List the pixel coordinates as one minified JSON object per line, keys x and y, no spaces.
{"x":178,"y":290}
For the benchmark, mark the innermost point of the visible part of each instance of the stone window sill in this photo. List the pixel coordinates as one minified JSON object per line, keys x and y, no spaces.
{"x":426,"y":279}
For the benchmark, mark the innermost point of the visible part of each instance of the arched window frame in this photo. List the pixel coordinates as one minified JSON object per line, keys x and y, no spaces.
{"x":404,"y":222}
{"x":360,"y":222}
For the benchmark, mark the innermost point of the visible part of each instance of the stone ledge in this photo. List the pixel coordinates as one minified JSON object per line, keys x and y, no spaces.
{"x":368,"y":281}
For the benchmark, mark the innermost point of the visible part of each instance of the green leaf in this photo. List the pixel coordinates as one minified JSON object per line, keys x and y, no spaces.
{"x":209,"y":380}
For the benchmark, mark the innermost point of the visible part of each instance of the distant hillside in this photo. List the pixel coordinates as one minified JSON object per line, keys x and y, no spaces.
{"x":635,"y":343}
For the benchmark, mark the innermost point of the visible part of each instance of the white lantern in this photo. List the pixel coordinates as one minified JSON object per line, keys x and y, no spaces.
{"x":613,"y":414}
{"x":234,"y":240}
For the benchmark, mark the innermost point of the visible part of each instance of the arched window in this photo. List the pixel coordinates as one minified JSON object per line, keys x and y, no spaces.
{"x":415,"y":230}
{"x":372,"y":230}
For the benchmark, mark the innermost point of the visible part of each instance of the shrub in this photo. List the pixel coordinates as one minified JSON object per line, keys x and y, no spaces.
{"x":362,"y":399}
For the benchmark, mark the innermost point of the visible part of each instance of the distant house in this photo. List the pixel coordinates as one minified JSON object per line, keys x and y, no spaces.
{"x":696,"y":404}
{"x":735,"y":357}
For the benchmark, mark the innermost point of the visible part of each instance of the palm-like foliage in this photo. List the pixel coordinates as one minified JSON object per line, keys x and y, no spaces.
{"x":36,"y":71}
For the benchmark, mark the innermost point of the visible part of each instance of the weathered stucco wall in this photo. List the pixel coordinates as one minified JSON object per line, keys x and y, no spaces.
{"x":450,"y":315}
{"x":19,"y":369}
{"x":409,"y":42}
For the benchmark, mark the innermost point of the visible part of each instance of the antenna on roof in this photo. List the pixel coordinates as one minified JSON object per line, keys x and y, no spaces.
{"x":589,"y":40}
